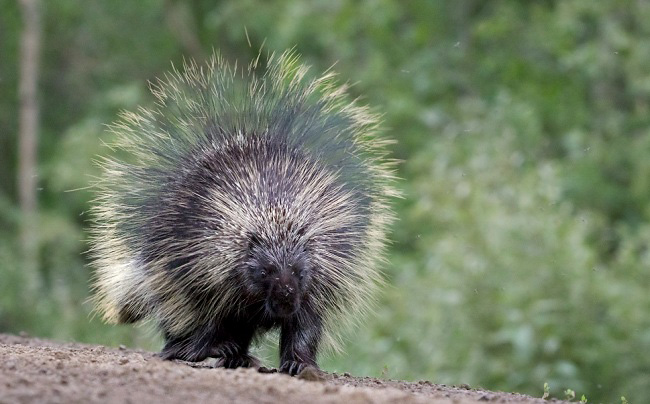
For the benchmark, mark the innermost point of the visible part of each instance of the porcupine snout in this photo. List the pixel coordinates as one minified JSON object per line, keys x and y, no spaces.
{"x":283,"y":298}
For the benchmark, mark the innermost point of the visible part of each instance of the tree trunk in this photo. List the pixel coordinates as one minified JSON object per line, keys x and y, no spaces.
{"x":30,"y":43}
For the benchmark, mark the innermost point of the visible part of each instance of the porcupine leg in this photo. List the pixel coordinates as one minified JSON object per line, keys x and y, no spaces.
{"x":192,"y":348}
{"x":232,"y":347}
{"x":231,"y":355}
{"x":299,"y":339}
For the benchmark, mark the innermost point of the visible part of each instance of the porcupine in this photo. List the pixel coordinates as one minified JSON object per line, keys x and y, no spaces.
{"x":240,"y":203}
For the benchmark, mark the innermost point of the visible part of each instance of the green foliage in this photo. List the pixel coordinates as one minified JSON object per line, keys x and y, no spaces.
{"x":522,"y":251}
{"x":569,"y":394}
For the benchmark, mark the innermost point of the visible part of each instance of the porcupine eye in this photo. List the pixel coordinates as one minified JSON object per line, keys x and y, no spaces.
{"x":298,"y":271}
{"x":267,"y":269}
{"x":261,"y":270}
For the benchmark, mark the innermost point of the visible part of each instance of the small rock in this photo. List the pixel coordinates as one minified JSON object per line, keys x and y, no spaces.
{"x":346,"y":374}
{"x":465,"y":386}
{"x":263,"y":369}
{"x":311,"y":374}
{"x":206,"y":363}
{"x":122,"y":347}
{"x":23,"y":334}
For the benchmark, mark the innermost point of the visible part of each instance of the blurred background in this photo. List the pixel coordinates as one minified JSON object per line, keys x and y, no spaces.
{"x":522,"y":252}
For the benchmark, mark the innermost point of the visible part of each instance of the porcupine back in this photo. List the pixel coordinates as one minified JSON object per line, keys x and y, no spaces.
{"x":226,"y":155}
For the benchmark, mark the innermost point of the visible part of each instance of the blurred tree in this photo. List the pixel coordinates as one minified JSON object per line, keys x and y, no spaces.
{"x":30,"y":44}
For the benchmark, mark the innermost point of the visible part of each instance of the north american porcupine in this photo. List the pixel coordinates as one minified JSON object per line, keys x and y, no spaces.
{"x":242,"y":203}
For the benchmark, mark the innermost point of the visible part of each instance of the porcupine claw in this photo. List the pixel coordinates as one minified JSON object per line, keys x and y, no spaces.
{"x":240,"y":361}
{"x":293,"y":368}
{"x":230,"y":357}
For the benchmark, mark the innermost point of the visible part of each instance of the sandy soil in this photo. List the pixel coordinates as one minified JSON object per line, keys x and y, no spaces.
{"x":40,"y":371}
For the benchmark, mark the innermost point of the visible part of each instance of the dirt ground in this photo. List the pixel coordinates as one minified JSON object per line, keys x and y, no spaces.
{"x":40,"y":371}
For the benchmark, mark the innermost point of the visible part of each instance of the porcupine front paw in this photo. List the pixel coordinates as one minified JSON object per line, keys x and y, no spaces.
{"x":230,"y":356}
{"x":181,"y":354}
{"x":294,"y":367}
{"x":184,"y":350}
{"x":240,"y":361}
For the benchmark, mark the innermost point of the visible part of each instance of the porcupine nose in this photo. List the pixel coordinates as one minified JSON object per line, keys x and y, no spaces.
{"x":283,"y":299}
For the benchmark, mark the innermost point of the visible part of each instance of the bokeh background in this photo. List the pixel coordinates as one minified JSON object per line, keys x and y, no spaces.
{"x":522,"y":252}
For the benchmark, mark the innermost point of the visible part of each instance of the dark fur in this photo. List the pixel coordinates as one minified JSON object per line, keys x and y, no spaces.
{"x":230,"y":339}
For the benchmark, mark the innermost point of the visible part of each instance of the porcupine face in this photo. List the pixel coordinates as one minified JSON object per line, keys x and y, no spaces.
{"x":279,"y":277}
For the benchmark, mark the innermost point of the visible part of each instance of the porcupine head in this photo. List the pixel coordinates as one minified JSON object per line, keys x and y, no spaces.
{"x":243,"y":202}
